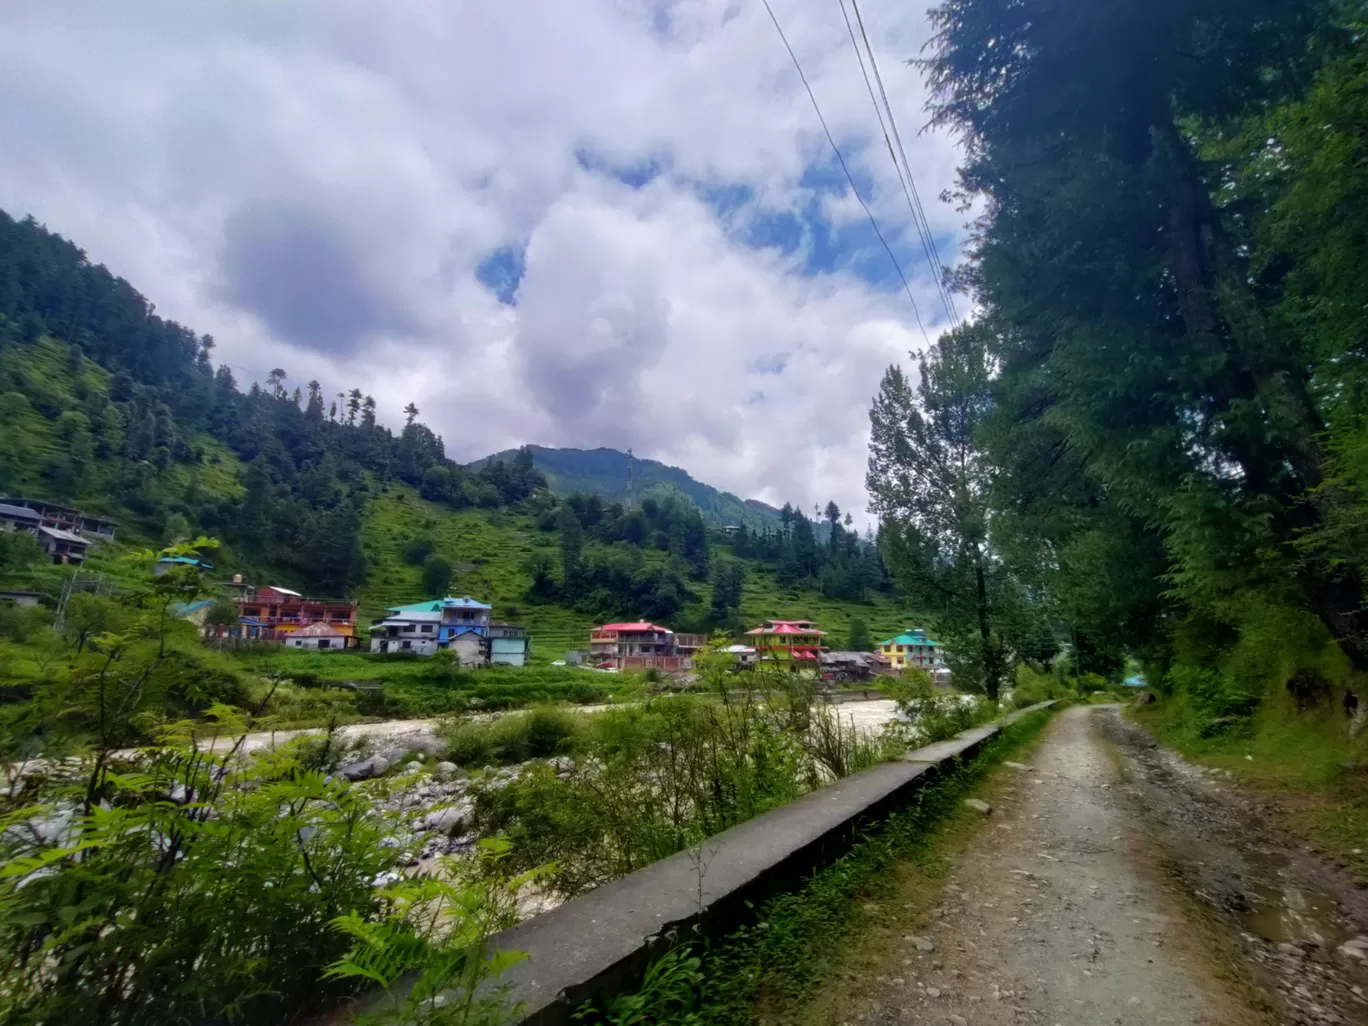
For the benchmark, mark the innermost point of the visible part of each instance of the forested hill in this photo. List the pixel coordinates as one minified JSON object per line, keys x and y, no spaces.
{"x":106,"y":406}
{"x":605,"y":473}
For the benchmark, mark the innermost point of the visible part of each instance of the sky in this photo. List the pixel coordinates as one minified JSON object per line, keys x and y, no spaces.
{"x":570,"y":223}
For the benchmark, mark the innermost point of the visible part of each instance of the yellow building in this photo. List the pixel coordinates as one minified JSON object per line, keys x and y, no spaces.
{"x":913,"y":648}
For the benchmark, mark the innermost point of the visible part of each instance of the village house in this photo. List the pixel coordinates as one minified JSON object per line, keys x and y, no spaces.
{"x":639,"y":645}
{"x":319,"y":637}
{"x":274,"y":613}
{"x":63,"y":518}
{"x":840,"y":667}
{"x":60,"y":543}
{"x":792,"y":643}
{"x":509,"y":644}
{"x":461,"y":626}
{"x":914,"y":649}
{"x":411,"y":628}
{"x":742,"y":655}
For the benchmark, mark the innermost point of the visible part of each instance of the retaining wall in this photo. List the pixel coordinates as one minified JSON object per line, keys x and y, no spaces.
{"x":603,"y":941}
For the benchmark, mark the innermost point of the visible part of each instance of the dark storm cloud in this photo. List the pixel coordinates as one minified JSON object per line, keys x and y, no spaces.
{"x":305,"y":276}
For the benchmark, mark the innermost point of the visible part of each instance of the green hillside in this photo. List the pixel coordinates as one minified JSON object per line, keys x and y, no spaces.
{"x":491,"y":551}
{"x":604,"y":472}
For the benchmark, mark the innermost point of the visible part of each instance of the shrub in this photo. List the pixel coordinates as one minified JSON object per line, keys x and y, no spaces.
{"x":514,"y":737}
{"x":1211,"y":692}
{"x":141,"y":908}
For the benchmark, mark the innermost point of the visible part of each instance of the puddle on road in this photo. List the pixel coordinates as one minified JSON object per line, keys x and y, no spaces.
{"x":1282,"y":912}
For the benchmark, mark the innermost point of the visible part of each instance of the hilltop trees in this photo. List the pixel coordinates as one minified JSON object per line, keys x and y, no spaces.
{"x":929,"y":483}
{"x":309,"y":475}
{"x":1164,"y":452}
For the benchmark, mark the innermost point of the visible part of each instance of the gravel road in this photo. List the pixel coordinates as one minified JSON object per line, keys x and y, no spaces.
{"x":1102,"y":891}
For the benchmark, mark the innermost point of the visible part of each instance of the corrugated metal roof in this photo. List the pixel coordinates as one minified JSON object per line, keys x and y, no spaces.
{"x":18,"y":512}
{"x":639,"y":625}
{"x":60,"y":535}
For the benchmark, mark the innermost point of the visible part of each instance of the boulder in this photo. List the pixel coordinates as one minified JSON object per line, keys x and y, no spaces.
{"x":449,"y":819}
{"x":366,"y":769}
{"x":447,"y":769}
{"x":978,"y":805}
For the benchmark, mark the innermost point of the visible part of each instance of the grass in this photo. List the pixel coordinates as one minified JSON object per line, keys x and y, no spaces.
{"x":1316,"y":775}
{"x":490,"y":550}
{"x":791,"y":965}
{"x":30,"y":440}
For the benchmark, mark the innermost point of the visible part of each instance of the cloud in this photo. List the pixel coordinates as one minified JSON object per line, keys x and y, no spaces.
{"x":596,"y":222}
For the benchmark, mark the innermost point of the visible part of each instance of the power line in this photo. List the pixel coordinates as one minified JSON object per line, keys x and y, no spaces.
{"x":904,"y":169}
{"x":850,"y":178}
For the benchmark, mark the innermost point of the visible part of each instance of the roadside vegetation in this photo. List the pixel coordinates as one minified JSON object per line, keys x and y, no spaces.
{"x":770,"y":969}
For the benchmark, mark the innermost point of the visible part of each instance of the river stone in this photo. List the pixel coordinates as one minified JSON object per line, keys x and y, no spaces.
{"x":921,"y":943}
{"x":1356,"y":947}
{"x":447,"y":769}
{"x":978,"y":805}
{"x":366,"y":769}
{"x":449,"y":819}
{"x":414,"y":767}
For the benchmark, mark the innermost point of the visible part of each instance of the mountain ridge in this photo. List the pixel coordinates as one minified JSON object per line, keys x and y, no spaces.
{"x":604,"y":472}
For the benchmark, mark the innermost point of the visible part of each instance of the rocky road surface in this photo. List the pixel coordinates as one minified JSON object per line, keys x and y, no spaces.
{"x":1115,"y":884}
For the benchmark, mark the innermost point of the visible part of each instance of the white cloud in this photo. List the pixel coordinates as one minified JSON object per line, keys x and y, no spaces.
{"x":316,"y":183}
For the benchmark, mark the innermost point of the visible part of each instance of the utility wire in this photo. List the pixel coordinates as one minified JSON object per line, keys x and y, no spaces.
{"x":850,"y":178}
{"x":904,"y":169}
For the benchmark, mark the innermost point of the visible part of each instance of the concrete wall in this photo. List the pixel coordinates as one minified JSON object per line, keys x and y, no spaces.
{"x":602,"y":941}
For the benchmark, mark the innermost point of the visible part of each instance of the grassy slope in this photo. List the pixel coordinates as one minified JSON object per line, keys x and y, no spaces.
{"x":496,"y":542}
{"x":41,"y":372}
{"x":1305,"y":762}
{"x":498,"y":545}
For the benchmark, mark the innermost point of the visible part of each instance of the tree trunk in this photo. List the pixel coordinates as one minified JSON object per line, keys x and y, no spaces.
{"x":1289,"y":465}
{"x":992,"y":672}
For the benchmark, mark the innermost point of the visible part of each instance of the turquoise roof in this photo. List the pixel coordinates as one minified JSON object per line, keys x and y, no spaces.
{"x":436,"y":605}
{"x":186,"y":561}
{"x":911,"y":638}
{"x":430,"y":606}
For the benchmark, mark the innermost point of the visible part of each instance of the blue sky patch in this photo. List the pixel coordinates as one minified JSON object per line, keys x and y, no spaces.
{"x":634,"y":175}
{"x":502,"y":271}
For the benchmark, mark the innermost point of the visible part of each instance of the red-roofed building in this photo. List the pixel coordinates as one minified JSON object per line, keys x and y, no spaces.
{"x":638,"y":645}
{"x":274,"y":613}
{"x":792,"y":642}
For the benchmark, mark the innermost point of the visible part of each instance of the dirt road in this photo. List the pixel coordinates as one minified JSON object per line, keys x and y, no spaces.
{"x":1103,"y":890}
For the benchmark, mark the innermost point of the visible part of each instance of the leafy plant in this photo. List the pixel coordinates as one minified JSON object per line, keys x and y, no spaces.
{"x":439,"y":929}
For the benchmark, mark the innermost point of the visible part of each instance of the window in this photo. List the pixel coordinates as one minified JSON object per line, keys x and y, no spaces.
{"x":408,"y":628}
{"x":407,"y":645}
{"x":324,"y":643}
{"x":427,"y":628}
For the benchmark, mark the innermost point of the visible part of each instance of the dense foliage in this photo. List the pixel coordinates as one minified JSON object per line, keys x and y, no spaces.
{"x":1168,"y":454}
{"x":311,"y":460}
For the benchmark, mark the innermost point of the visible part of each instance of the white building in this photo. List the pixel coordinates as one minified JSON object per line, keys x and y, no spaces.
{"x":321,"y":637}
{"x":408,"y":629}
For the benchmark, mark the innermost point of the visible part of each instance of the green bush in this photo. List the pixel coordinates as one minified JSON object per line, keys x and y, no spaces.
{"x":148,"y":911}
{"x":514,"y":737}
{"x":1033,"y":686}
{"x":1212,"y":693}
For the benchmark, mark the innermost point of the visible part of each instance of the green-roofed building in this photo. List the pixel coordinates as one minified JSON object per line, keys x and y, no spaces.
{"x":914,"y":648}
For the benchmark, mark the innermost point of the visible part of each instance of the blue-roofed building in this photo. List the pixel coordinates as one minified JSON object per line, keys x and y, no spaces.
{"x":461,"y":616}
{"x":460,"y":625}
{"x":168,"y":562}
